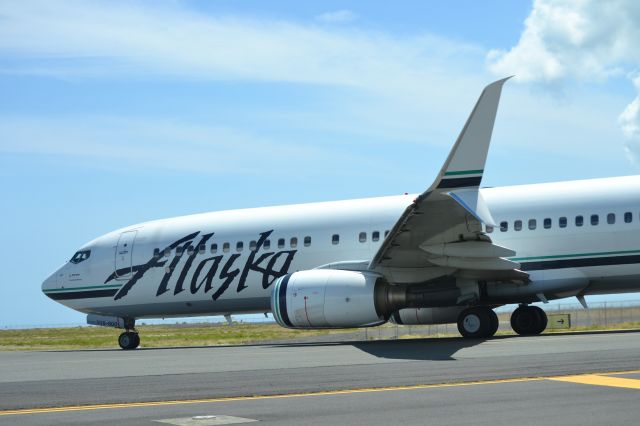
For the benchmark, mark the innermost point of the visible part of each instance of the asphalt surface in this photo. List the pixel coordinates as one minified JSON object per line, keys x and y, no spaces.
{"x":65,"y":378}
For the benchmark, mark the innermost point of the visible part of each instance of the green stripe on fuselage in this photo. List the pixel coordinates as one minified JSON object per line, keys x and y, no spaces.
{"x":98,"y":287}
{"x":569,"y":256}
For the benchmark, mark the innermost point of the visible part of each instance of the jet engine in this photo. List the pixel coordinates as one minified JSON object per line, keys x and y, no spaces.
{"x":326,"y":298}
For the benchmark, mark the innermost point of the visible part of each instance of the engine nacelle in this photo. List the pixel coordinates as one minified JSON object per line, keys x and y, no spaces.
{"x":427,"y":316}
{"x":326,"y":298}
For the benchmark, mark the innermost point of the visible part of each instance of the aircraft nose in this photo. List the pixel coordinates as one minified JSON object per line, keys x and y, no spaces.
{"x":51,"y":283}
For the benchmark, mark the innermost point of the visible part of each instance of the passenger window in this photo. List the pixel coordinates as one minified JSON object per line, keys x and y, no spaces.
{"x":335,"y":239}
{"x":293,"y":242}
{"x":253,"y":245}
{"x":611,"y":218}
{"x":517,"y":225}
{"x":281,"y":243}
{"x":167,"y":252}
{"x":362,"y":237}
{"x":386,"y":233}
{"x":504,"y":226}
{"x":179,"y":251}
{"x":190,"y":251}
{"x":532,"y":224}
{"x":307,"y":241}
{"x":267,"y":244}
{"x":226,"y":247}
{"x":562,"y":222}
{"x":579,"y":220}
{"x":489,"y":229}
{"x":214,"y":248}
{"x":156,"y":252}
{"x":239,"y":246}
{"x":628,"y":217}
{"x":375,"y":236}
{"x":547,"y":223}
{"x":202,"y":248}
{"x":595,"y":219}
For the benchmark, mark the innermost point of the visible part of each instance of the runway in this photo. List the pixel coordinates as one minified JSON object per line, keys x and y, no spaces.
{"x":377,"y":382}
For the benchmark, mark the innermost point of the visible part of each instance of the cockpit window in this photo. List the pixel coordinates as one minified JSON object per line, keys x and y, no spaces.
{"x":80,"y":256}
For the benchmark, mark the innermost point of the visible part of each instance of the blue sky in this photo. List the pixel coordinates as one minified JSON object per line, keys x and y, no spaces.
{"x":113,"y":113}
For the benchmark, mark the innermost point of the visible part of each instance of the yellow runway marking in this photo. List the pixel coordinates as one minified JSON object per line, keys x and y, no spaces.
{"x":597,"y":380}
{"x":622,"y":372}
{"x":590,"y":379}
{"x":253,"y":398}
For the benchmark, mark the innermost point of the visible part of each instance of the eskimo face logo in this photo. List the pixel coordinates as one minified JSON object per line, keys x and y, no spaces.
{"x":271,"y":265}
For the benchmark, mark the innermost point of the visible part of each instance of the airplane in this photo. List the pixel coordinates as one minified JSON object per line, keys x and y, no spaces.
{"x":451,"y":254}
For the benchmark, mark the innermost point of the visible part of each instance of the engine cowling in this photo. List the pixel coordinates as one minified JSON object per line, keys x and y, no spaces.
{"x":427,"y":316}
{"x":325,"y":298}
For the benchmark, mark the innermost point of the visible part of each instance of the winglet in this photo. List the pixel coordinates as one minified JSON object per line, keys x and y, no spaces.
{"x":465,"y":164}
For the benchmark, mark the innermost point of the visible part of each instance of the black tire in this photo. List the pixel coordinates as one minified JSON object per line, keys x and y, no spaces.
{"x":124,"y":340}
{"x":137,"y":340}
{"x":475,"y":322}
{"x":543,"y":320}
{"x":528,"y":320}
{"x":129,"y":340}
{"x":495,"y":323}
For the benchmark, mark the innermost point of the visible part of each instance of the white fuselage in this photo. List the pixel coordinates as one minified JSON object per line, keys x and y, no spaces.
{"x":204,"y":271}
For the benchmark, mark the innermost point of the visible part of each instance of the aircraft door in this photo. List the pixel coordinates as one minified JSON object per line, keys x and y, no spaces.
{"x":124,"y":255}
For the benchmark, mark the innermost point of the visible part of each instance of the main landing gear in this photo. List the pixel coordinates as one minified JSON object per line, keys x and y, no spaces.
{"x":478,"y":322}
{"x":528,"y":320}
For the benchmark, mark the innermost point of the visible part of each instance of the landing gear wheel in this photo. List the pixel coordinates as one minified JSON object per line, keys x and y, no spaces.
{"x":528,"y":320}
{"x":137,"y":340}
{"x":475,"y":322}
{"x":129,"y":340}
{"x":542,"y":325}
{"x":495,"y":323}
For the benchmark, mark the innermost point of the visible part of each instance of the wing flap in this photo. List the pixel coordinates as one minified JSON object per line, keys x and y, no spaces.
{"x":479,"y":249}
{"x":482,"y":264}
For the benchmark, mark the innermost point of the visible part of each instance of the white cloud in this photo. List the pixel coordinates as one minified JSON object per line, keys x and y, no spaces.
{"x":630,"y":117}
{"x":588,"y":40}
{"x":338,"y":16}
{"x":402,"y":92}
{"x":630,"y":123}
{"x":359,"y":68}
{"x":112,"y":38}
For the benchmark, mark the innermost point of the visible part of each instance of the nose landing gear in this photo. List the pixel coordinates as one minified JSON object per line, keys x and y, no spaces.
{"x":129,"y":340}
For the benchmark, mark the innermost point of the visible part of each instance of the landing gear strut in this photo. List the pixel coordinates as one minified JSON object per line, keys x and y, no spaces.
{"x":478,"y":322}
{"x":528,"y":320}
{"x":129,"y":340}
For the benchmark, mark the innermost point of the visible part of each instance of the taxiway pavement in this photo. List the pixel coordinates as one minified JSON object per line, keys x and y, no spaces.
{"x":31,"y":380}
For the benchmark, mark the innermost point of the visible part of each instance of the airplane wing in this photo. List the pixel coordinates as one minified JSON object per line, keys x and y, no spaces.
{"x":443,"y":231}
